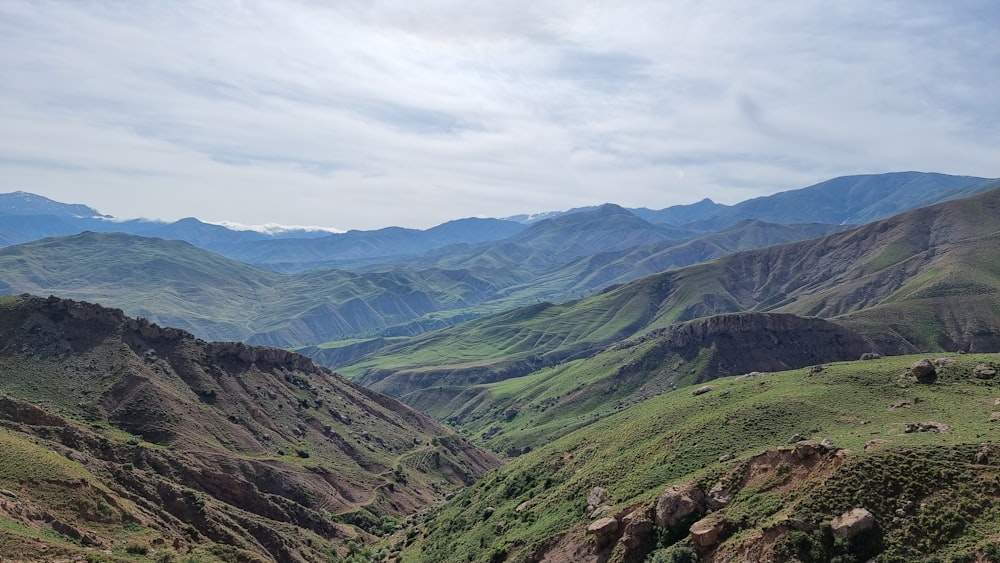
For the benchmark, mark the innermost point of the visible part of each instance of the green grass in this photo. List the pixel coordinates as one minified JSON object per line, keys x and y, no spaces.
{"x":635,"y":454}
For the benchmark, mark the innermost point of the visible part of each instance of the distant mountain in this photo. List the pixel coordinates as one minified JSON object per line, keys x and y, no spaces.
{"x":848,"y":200}
{"x":121,"y":434}
{"x":921,"y":280}
{"x":363,"y":247}
{"x":682,"y":214}
{"x":23,"y":203}
{"x":175,"y":283}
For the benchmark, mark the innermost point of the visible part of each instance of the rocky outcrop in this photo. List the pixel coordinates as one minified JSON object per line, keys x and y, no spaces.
{"x":752,"y":342}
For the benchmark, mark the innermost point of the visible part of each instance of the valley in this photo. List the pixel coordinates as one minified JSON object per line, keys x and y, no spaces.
{"x":703,"y":382}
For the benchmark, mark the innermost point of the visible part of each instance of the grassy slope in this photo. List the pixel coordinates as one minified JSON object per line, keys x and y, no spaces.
{"x":950,"y":247}
{"x":637,"y":453}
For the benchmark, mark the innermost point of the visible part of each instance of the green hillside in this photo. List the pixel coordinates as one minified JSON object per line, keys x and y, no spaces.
{"x":781,"y":497}
{"x":923,"y":280}
{"x":140,"y":440}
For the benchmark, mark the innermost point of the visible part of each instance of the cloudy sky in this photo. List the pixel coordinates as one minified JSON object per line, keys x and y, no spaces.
{"x":364,"y":114}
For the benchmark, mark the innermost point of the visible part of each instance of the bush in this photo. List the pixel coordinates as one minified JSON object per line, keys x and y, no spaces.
{"x":680,"y":554}
{"x":137,"y":549}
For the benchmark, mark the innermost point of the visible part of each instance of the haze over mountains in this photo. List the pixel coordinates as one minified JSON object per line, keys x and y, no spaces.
{"x":400,"y":282}
{"x":566,"y":342}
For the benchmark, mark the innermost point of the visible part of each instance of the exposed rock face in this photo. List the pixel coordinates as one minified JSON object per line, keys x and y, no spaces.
{"x":231,"y":423}
{"x":852,"y":523}
{"x":678,"y":503}
{"x":765,"y":342}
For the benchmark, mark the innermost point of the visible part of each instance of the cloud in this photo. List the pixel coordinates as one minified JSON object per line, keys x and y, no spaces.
{"x":362,"y":114}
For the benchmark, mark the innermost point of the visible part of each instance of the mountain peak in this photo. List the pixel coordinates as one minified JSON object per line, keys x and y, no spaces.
{"x":25,"y":203}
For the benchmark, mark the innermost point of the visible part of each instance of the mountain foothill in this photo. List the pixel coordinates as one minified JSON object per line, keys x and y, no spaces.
{"x":807,"y":376}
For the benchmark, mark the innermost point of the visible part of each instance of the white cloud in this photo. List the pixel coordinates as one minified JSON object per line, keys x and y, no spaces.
{"x":367,"y":114}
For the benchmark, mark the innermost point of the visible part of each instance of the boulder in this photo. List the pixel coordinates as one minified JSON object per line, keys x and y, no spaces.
{"x":601,"y":511}
{"x":638,"y":530}
{"x":871,"y":356}
{"x":596,"y":498}
{"x":603,"y":528}
{"x":995,"y":416}
{"x":852,"y":523}
{"x":702,"y":390}
{"x":718,"y":496}
{"x":678,"y":503}
{"x":912,"y":427}
{"x":924,"y":371}
{"x":707,"y":532}
{"x":983,"y":371}
{"x":726,"y":457}
{"x":806,"y":448}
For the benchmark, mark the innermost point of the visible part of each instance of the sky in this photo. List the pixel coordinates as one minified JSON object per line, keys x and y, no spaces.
{"x":365,"y":114}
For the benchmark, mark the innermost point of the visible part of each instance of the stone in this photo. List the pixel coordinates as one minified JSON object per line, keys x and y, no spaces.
{"x":596,"y":497}
{"x":852,"y":523}
{"x":603,"y":527}
{"x":488,"y":511}
{"x":702,"y":390}
{"x":638,"y":531}
{"x":995,"y":416}
{"x":525,"y":505}
{"x":912,"y":427}
{"x":726,"y":457}
{"x":816,"y":369}
{"x":983,"y":371}
{"x":795,"y":439}
{"x":601,"y":511}
{"x":707,"y":532}
{"x":718,"y":496}
{"x":871,"y":356}
{"x":677,"y":503}
{"x":923,"y":371}
{"x":827,"y":444}
{"x":806,"y":448}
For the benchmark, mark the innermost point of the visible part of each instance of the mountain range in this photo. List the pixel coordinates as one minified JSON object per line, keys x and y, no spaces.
{"x":804,"y":377}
